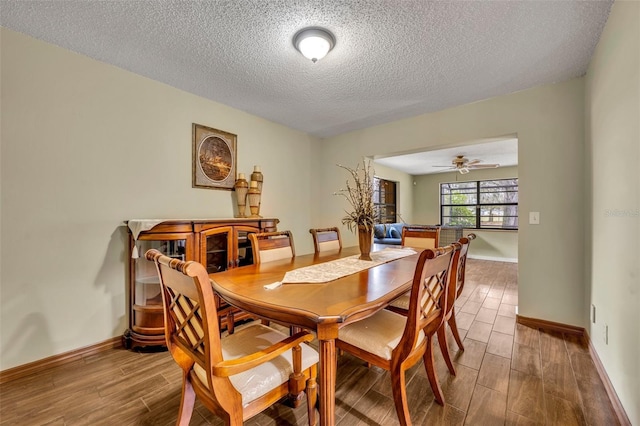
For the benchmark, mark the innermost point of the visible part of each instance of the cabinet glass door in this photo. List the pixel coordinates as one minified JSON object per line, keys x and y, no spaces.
{"x":146,"y":280}
{"x":226,"y":247}
{"x":217,"y":250}
{"x":147,"y":317}
{"x":245,"y":253}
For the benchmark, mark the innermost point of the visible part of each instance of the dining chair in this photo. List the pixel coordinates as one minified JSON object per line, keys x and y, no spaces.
{"x":236,"y":376}
{"x":325,"y":239}
{"x":420,"y":236}
{"x":270,"y":246}
{"x":450,"y":317}
{"x":417,"y":237}
{"x":455,"y":289}
{"x":396,"y":342}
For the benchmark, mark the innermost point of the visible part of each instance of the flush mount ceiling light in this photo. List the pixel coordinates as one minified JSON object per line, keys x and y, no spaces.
{"x":314,"y":43}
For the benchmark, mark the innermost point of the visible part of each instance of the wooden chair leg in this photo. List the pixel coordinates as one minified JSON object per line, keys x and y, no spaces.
{"x":187,"y":401}
{"x":399,"y":390}
{"x":231,"y":323}
{"x":454,"y":329}
{"x":444,"y":348}
{"x":429,"y":365}
{"x":297,"y":382}
{"x":312,"y":396}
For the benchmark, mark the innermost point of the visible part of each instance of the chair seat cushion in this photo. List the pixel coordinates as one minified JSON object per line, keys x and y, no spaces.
{"x":379,"y":334}
{"x":402,"y":302}
{"x":256,"y":382}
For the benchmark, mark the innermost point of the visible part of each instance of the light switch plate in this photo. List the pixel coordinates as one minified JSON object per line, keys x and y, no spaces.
{"x":534,"y":218}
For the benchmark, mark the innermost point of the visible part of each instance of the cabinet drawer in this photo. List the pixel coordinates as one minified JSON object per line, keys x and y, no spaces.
{"x":169,"y":228}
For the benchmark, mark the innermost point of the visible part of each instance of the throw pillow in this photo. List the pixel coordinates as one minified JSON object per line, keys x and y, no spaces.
{"x":378,"y":231}
{"x":394,"y":233}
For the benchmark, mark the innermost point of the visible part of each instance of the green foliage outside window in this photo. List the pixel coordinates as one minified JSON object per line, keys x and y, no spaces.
{"x":462,"y":215}
{"x":487,"y":204}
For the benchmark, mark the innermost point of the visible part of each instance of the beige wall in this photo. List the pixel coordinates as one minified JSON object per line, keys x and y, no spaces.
{"x":613,"y":140}
{"x":489,"y":245}
{"x":549,"y":124}
{"x":86,"y":146}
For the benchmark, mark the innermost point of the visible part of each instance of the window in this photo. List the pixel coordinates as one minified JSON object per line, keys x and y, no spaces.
{"x":384,"y":200}
{"x":484,"y":204}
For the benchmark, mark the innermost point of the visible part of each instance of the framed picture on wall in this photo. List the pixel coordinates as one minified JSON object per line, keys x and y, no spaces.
{"x":214,"y":158}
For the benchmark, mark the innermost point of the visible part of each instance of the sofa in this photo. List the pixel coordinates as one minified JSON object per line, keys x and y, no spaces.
{"x":391,"y":233}
{"x":388,"y":233}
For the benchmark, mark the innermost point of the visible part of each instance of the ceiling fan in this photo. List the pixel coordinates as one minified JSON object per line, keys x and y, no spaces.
{"x":463,"y":165}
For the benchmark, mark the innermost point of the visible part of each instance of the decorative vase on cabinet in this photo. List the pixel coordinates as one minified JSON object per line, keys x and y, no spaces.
{"x":241,"y":186}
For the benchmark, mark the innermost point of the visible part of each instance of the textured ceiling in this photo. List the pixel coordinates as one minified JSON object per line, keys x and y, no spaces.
{"x":393,"y":58}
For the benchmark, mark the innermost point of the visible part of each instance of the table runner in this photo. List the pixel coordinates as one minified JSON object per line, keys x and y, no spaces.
{"x":137,"y":226}
{"x":335,"y":269}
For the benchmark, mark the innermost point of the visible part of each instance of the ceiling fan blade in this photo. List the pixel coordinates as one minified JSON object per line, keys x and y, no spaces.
{"x":449,"y":167}
{"x":483,"y":166}
{"x":472,"y":162}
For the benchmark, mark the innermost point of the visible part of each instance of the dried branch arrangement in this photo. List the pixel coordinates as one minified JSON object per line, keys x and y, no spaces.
{"x":359,"y":193}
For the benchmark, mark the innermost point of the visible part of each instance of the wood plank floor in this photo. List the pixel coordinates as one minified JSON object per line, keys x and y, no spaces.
{"x":508,"y":375}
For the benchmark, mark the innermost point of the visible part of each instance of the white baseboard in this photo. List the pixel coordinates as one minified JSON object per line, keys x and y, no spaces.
{"x":493,"y":258}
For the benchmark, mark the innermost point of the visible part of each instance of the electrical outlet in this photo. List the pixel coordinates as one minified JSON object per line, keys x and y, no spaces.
{"x":605,"y":334}
{"x":593,"y":314}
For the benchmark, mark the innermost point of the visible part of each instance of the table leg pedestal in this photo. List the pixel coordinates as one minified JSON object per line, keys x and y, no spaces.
{"x":327,"y":378}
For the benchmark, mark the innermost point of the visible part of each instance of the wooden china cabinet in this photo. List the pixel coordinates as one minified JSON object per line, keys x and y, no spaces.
{"x":219,"y":244}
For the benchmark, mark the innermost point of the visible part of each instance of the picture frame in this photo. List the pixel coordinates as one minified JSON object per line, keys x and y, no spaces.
{"x":214,"y":161}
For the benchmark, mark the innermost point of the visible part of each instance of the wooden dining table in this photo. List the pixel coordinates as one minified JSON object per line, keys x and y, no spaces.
{"x":321,"y":307}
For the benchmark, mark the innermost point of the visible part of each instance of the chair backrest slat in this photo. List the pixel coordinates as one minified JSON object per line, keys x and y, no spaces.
{"x":421,"y":236}
{"x":325,"y":239}
{"x":271,"y":246}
